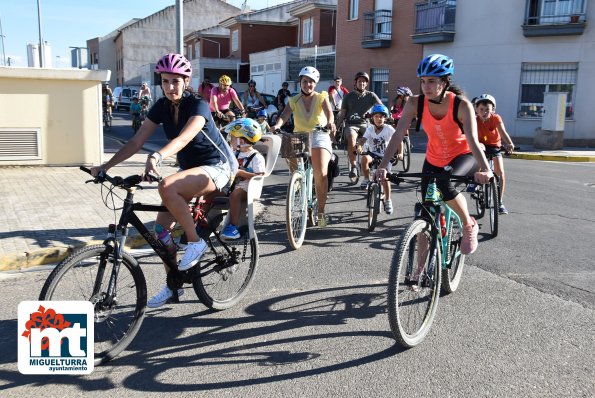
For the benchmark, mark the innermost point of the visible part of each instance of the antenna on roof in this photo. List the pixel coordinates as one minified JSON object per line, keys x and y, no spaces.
{"x":244,"y":6}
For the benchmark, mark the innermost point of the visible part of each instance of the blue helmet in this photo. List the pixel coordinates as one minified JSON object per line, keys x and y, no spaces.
{"x":379,"y":108}
{"x":262,"y":112}
{"x":436,"y":65}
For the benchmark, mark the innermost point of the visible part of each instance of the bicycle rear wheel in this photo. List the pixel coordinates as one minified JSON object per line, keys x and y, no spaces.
{"x":492,"y":205}
{"x":296,"y":210}
{"x":406,"y":154}
{"x":480,"y":206}
{"x":451,"y":276}
{"x":373,"y":205}
{"x":226,"y":270}
{"x":117,"y":318}
{"x":414,"y":284}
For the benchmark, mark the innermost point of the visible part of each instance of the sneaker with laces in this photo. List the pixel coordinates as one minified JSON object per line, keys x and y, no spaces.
{"x":194,"y":252}
{"x":353,"y":172}
{"x":388,"y":207}
{"x":365,"y":183}
{"x":322,"y":220}
{"x":230,"y":232}
{"x":502,"y":209}
{"x":469,"y":242}
{"x":163,"y":297}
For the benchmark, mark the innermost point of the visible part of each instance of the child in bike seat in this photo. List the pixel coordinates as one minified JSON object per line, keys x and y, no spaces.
{"x":491,"y":131}
{"x":377,"y":136}
{"x":246,"y":133}
{"x":262,"y":116}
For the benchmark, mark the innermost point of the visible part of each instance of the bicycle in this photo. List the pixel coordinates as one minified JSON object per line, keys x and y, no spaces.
{"x":136,"y":122}
{"x":406,"y":147}
{"x":302,"y":204}
{"x":429,"y":247}
{"x":487,"y":197}
{"x":107,"y":120}
{"x":113,"y":281}
{"x":374,"y":192}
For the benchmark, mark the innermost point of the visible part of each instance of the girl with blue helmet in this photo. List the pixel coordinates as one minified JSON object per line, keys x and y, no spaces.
{"x":452,"y":138}
{"x":262,"y":117}
{"x":376,"y":137}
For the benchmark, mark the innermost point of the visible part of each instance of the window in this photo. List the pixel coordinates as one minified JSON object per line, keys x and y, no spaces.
{"x":353,"y":9}
{"x":308,"y":31}
{"x":234,"y":41}
{"x":555,"y":11}
{"x":539,"y":78}
{"x":379,"y":83}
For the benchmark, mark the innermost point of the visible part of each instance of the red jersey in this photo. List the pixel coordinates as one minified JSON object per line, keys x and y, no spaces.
{"x":446,"y":141}
{"x":488,"y":131}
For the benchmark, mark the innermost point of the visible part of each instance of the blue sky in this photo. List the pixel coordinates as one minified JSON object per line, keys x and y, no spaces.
{"x":70,"y":23}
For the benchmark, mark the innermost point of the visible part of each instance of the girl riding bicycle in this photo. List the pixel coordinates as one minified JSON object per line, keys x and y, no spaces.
{"x":193,"y":136}
{"x":311,"y":109}
{"x":451,"y":142}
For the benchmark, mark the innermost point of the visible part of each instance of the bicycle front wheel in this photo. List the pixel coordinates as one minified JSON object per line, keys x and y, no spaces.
{"x":117,"y":318}
{"x":414,"y":284}
{"x":451,"y":276}
{"x":227,"y":270}
{"x":492,"y":205}
{"x":406,"y":154}
{"x":373,"y":205}
{"x":296,"y":210}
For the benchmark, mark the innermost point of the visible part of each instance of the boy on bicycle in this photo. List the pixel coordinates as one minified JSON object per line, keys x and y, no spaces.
{"x":262,"y":117}
{"x":491,"y":130}
{"x":377,"y":136}
{"x":251,"y":162}
{"x":135,"y":109}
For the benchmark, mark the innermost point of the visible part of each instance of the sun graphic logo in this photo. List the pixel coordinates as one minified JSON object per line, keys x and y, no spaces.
{"x":55,"y":337}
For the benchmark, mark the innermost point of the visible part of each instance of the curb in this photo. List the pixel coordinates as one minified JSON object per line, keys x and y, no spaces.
{"x":552,"y":158}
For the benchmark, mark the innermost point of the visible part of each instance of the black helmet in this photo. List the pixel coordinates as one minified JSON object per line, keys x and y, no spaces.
{"x":362,"y":74}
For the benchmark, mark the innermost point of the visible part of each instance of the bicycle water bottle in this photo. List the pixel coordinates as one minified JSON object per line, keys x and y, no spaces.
{"x":442,"y":225}
{"x":432,"y":193}
{"x":165,"y":237}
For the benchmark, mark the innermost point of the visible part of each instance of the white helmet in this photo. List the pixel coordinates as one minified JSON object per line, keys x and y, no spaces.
{"x":486,"y":98}
{"x":311,"y":72}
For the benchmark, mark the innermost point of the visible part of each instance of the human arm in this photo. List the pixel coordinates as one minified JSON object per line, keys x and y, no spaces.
{"x":467,"y":117}
{"x":504,"y":134}
{"x":340,"y":116}
{"x":330,"y":117}
{"x":236,"y":100}
{"x":261,"y":99}
{"x":285,"y":115}
{"x":131,"y":147}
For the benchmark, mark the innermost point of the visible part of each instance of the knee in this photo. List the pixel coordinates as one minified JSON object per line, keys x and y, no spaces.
{"x":165,"y":188}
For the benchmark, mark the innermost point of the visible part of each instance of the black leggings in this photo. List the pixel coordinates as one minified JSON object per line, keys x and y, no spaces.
{"x":462,"y":165}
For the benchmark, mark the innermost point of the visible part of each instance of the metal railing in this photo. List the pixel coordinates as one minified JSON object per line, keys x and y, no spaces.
{"x":435,"y":16}
{"x":555,"y":13}
{"x":377,"y":25}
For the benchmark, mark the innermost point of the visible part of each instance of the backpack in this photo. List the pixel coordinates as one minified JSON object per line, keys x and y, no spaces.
{"x":333,"y":170}
{"x":455,"y":111}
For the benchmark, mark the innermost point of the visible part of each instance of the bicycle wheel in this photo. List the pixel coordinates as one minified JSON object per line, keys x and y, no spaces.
{"x":455,"y":260}
{"x":117,"y":318}
{"x":492,"y":205}
{"x":406,"y":153}
{"x":227,"y":270}
{"x":479,"y":196}
{"x":296,"y":210}
{"x":107,"y":123}
{"x":414,"y":284}
{"x":373,"y":205}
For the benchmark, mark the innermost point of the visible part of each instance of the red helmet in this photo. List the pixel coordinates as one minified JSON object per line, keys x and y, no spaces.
{"x":174,"y":63}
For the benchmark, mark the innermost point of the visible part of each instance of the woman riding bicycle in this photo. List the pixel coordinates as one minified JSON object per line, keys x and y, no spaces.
{"x":403,"y":94}
{"x":253,"y":100}
{"x":447,"y":144}
{"x":311,"y":109}
{"x":195,"y":139}
{"x":221,"y":99}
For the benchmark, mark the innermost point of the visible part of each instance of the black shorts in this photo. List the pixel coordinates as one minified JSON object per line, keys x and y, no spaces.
{"x":462,"y":165}
{"x":218,"y":119}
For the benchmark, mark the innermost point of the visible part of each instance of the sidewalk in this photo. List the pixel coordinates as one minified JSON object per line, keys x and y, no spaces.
{"x":49,"y":211}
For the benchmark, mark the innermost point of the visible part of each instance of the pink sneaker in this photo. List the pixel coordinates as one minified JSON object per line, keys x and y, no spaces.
{"x":469,"y":243}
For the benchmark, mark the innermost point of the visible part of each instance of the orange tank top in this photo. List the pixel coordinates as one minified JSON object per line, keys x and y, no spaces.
{"x":488,"y":131}
{"x":446,"y":141}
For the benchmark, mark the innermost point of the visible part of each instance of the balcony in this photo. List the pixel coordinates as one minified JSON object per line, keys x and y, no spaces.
{"x":434,"y":22}
{"x":377,"y":29}
{"x":555,"y":18}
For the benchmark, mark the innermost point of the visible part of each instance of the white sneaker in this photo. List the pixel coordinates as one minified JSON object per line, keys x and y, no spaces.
{"x":194,"y":252}
{"x":162,"y":297}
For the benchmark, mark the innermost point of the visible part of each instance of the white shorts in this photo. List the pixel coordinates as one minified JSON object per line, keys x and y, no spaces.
{"x":219,"y":173}
{"x":323,"y":140}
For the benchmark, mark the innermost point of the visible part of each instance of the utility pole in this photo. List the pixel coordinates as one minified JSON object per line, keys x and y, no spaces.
{"x":180,"y":26}
{"x":3,"y":51}
{"x":41,"y":45}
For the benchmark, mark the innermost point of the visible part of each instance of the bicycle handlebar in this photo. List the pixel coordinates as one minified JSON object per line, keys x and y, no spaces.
{"x":128,"y":182}
{"x":397,"y":178}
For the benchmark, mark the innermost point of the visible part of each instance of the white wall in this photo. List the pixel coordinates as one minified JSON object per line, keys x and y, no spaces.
{"x":489,"y":48}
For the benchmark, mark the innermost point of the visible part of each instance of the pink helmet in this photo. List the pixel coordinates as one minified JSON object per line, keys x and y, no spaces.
{"x":174,"y":63}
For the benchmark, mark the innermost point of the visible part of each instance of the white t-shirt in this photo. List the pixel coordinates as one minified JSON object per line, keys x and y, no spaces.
{"x":257,"y":164}
{"x":377,"y":142}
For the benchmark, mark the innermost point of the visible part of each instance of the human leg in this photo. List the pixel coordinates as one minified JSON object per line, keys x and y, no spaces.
{"x":350,"y":135}
{"x":320,"y":158}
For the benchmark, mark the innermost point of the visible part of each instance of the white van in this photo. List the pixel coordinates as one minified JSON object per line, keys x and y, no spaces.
{"x":123,"y":97}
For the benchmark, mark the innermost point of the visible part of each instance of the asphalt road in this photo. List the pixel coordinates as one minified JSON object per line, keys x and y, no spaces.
{"x":315,"y":324}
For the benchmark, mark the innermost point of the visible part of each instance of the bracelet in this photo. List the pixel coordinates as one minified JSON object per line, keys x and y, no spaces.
{"x":157,"y":156}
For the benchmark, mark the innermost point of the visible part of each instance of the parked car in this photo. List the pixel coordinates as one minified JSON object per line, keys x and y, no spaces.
{"x":123,"y":97}
{"x":271,"y":108}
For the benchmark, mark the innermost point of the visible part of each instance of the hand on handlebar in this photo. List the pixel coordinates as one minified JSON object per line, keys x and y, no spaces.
{"x":380,"y":174}
{"x":483,"y":177}
{"x":151,"y":170}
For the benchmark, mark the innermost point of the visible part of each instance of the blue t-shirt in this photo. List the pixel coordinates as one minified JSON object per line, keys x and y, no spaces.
{"x":199,"y":151}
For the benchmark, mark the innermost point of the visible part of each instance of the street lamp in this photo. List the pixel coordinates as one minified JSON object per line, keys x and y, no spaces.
{"x":41,"y":49}
{"x":2,"y":37}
